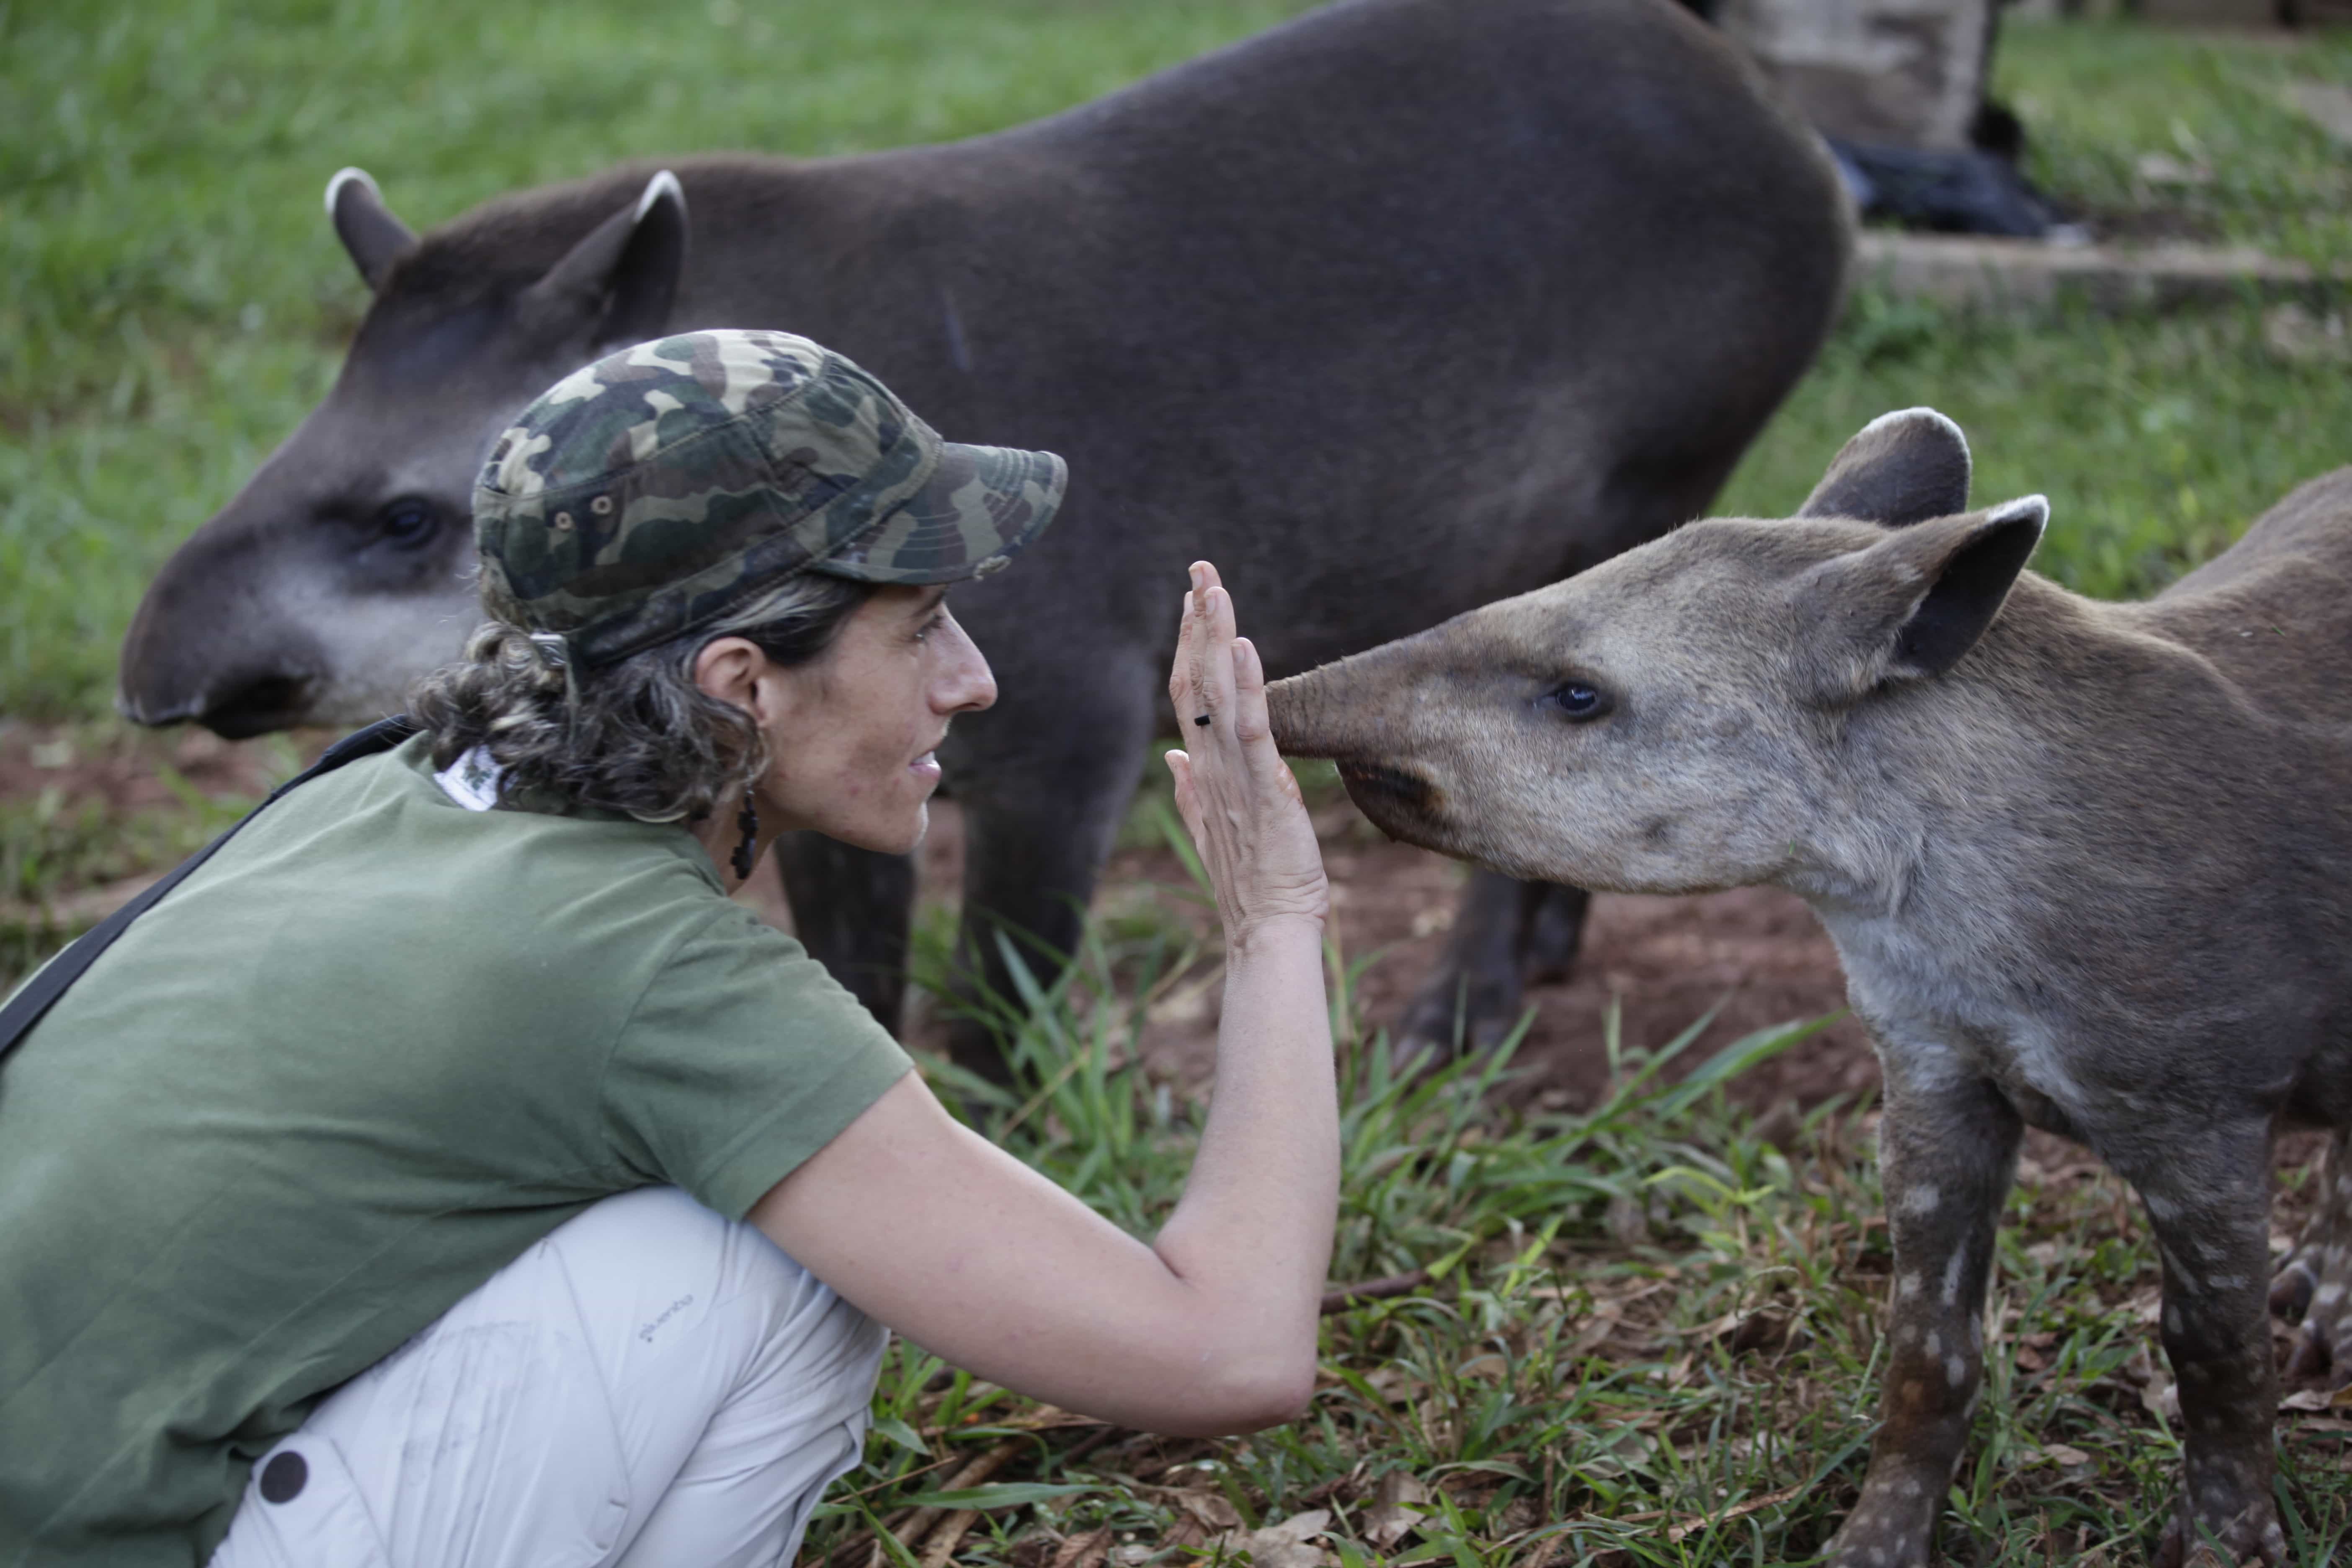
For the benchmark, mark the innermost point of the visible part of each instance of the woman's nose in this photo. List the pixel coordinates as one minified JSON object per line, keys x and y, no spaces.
{"x":966,"y":685}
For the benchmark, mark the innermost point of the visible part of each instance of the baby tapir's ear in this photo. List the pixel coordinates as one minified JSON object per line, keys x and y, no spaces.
{"x":1904,"y":467}
{"x":1912,"y":604}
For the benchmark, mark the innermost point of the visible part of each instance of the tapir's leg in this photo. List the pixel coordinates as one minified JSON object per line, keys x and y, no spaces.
{"x":1506,"y":935}
{"x":1039,"y":818}
{"x":2209,"y":1201}
{"x":2314,"y":1284}
{"x":1946,"y":1151}
{"x":851,"y":908}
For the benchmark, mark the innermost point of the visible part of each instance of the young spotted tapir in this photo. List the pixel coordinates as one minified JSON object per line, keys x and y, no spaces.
{"x":2086,"y":864}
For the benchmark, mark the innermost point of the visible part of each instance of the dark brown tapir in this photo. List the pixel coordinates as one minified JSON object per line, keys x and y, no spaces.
{"x":1402,"y":307}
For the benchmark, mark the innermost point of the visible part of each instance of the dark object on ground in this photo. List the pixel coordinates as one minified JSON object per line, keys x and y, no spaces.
{"x":1391,"y":310}
{"x":2086,"y":864}
{"x":1961,"y":192}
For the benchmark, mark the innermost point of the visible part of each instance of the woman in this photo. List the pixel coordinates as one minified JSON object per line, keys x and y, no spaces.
{"x":447,"y":1173}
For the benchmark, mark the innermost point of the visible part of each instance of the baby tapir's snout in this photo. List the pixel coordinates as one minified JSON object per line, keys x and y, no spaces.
{"x":1378,"y":716}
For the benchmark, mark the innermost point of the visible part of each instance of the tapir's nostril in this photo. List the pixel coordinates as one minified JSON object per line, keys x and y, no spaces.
{"x":256,"y":707}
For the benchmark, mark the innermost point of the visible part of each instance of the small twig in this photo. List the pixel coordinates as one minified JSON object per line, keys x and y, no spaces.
{"x":1089,"y":1443}
{"x":1691,"y":1526}
{"x":1340,"y":1297}
{"x":948,"y":1537}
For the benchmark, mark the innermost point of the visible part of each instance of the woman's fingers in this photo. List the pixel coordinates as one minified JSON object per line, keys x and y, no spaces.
{"x":1238,"y":799}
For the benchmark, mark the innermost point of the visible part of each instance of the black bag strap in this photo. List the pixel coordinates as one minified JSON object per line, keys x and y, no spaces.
{"x":25,"y":1009}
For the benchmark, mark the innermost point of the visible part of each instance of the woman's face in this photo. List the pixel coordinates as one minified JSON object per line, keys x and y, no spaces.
{"x":851,"y":733}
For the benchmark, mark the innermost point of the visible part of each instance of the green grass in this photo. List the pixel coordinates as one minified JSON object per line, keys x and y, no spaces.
{"x":1645,"y":1333}
{"x":2099,"y":98}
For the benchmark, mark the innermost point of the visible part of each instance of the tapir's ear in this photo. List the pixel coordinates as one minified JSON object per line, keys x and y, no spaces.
{"x":374,"y":238}
{"x":1904,"y":467}
{"x":1912,"y":604}
{"x":620,"y":280}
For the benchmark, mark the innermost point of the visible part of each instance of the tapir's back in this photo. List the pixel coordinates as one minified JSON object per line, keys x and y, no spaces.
{"x":2275,"y":611}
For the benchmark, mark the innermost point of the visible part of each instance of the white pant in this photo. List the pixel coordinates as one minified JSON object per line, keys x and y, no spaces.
{"x":651,"y":1387}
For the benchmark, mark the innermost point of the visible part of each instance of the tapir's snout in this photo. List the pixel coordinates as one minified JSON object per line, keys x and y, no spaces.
{"x":255,"y":689}
{"x":1350,"y":712}
{"x":206,"y":648}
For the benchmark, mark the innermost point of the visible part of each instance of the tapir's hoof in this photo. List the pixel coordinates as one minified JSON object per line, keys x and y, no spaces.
{"x":2252,"y":1539}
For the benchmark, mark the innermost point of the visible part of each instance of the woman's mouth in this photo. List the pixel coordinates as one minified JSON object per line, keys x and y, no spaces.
{"x":925,"y":767}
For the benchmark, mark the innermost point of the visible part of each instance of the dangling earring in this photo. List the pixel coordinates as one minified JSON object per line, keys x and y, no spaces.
{"x":748,"y":819}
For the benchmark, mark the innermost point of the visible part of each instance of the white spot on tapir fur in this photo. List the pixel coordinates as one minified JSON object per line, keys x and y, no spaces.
{"x":2160,"y":1208}
{"x":1934,"y":1345}
{"x":1923,"y":1199}
{"x":1911,"y":1286}
{"x":1957,"y":1370}
{"x":2172,"y":1317}
{"x":1952,"y":1278}
{"x":2179,"y":1270}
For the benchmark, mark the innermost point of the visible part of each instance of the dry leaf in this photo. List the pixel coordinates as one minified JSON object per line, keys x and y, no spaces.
{"x":1086,"y":1551}
{"x":2317,"y":1399}
{"x":1214,"y":1514}
{"x":1289,"y":1544}
{"x":1392,"y":1514}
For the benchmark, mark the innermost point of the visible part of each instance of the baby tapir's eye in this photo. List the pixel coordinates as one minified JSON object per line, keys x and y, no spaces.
{"x":407,"y":522}
{"x":1579,"y":699}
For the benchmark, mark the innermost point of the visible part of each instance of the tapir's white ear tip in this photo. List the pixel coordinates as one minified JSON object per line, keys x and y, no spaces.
{"x":661,"y":185}
{"x":344,"y":177}
{"x":2034,"y":509}
{"x":1922,"y":413}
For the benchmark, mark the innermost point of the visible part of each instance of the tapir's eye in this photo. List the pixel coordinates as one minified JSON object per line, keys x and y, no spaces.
{"x":1578,"y":700}
{"x":407,"y":522}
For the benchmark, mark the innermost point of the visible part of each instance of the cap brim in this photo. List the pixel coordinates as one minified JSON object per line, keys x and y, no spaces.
{"x":980,"y":508}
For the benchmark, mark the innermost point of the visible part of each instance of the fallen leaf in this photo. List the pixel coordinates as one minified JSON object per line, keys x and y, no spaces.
{"x":1289,"y":1544}
{"x":1216,"y":1513}
{"x":1086,"y":1551}
{"x":1393,"y":1515}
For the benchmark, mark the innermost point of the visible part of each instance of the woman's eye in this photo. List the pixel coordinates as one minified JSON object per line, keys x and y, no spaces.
{"x":1578,"y":700}
{"x":406,"y":523}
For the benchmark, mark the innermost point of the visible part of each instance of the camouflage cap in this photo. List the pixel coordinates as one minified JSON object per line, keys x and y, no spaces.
{"x":669,"y":484}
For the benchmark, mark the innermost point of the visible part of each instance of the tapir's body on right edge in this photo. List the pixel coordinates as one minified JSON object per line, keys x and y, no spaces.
{"x":2088,"y":866}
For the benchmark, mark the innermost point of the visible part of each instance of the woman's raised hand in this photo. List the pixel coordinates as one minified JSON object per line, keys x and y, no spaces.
{"x":1240,"y":802}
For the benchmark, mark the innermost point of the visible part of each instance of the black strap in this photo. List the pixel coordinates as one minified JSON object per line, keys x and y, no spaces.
{"x":25,"y":1009}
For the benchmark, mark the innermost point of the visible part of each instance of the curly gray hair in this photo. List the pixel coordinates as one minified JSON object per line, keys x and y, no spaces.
{"x":637,"y":737}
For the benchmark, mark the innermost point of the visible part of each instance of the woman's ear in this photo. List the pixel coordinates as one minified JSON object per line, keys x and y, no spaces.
{"x":728,"y":669}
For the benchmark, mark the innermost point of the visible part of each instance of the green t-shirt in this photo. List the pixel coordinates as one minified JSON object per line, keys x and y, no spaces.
{"x":369,"y":1054}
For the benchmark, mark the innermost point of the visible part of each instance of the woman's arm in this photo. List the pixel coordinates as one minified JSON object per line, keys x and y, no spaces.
{"x":961,"y":1247}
